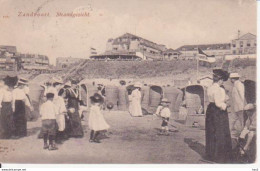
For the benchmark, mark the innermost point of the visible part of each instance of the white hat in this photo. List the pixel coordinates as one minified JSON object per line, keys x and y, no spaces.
{"x":57,"y":80}
{"x":165,"y":100}
{"x":137,"y":84}
{"x":23,"y":79}
{"x":249,"y":106}
{"x":22,"y":82}
{"x":68,"y":84}
{"x":234,"y":75}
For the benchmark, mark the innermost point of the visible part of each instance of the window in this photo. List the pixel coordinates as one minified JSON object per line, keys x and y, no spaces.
{"x":234,"y":45}
{"x":248,"y":44}
{"x":234,"y":51}
{"x":241,"y":43}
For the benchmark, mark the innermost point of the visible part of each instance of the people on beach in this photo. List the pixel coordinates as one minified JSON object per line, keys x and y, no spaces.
{"x":20,"y":100}
{"x":96,"y":121}
{"x":164,"y":112}
{"x":238,"y":103}
{"x":48,"y":113}
{"x":135,"y":108}
{"x":6,"y":111}
{"x":218,"y":139}
{"x":73,"y":103}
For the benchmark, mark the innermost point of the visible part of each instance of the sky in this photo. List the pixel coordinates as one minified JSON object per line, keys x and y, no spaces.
{"x":170,"y":22}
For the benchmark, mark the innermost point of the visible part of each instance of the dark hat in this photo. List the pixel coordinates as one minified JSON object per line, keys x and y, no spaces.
{"x":23,"y":79}
{"x":49,"y":95}
{"x":74,"y":81}
{"x":122,"y":82}
{"x":10,"y":81}
{"x":97,"y":98}
{"x":224,"y":75}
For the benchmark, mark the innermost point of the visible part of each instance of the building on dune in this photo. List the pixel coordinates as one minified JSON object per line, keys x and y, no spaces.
{"x":132,"y":47}
{"x":246,"y":44}
{"x":33,"y":62}
{"x":218,"y":50}
{"x":11,"y":60}
{"x":8,"y":58}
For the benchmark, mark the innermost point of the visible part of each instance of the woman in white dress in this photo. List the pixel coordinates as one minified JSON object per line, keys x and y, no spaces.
{"x":135,"y":108}
{"x":96,"y":120}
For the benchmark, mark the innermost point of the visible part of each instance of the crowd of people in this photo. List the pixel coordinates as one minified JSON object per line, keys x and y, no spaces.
{"x":67,"y":103}
{"x":14,"y":98}
{"x":218,"y":124}
{"x":62,"y":105}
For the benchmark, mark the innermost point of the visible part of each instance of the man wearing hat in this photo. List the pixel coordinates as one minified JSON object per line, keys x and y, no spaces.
{"x":164,"y":112}
{"x":135,"y":100}
{"x":238,"y":103}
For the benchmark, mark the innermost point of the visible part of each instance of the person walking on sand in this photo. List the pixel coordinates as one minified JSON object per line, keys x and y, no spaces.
{"x":96,"y":120}
{"x":135,"y":108}
{"x":164,"y":112}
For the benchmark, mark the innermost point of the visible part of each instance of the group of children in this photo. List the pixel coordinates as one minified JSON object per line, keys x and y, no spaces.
{"x":49,"y":113}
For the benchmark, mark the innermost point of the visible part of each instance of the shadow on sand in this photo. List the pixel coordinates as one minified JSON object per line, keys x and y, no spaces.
{"x":196,"y":146}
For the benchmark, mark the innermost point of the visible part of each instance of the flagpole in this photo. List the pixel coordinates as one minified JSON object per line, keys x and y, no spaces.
{"x":197,"y":64}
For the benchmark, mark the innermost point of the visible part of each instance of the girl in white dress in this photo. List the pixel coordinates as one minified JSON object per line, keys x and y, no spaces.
{"x":96,"y":120}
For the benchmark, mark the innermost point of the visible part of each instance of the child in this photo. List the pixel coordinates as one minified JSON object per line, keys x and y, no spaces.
{"x":97,"y":121}
{"x":48,"y":113}
{"x":164,"y":112}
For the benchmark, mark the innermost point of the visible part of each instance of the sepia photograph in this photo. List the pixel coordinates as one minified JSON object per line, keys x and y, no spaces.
{"x":128,"y":82}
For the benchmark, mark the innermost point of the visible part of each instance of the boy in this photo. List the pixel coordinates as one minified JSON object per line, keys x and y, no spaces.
{"x":164,"y":112}
{"x":48,"y":114}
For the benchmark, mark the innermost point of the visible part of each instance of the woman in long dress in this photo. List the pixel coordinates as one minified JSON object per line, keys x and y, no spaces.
{"x":96,"y":120}
{"x":218,"y":139}
{"x":135,"y":108}
{"x":19,"y":101}
{"x":72,"y":94}
{"x":6,"y":116}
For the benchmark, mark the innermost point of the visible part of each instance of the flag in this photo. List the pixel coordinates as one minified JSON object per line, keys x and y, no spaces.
{"x":93,"y":51}
{"x":200,"y":52}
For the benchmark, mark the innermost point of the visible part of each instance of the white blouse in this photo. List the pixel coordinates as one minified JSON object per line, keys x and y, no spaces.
{"x":19,"y":94}
{"x":163,"y":111}
{"x":48,"y":110}
{"x":217,"y":95}
{"x":5,"y":96}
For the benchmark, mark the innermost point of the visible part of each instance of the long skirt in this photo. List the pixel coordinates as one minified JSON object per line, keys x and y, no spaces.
{"x":6,"y":120}
{"x":218,"y":139}
{"x":135,"y":108}
{"x":20,"y":120}
{"x":75,"y":127}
